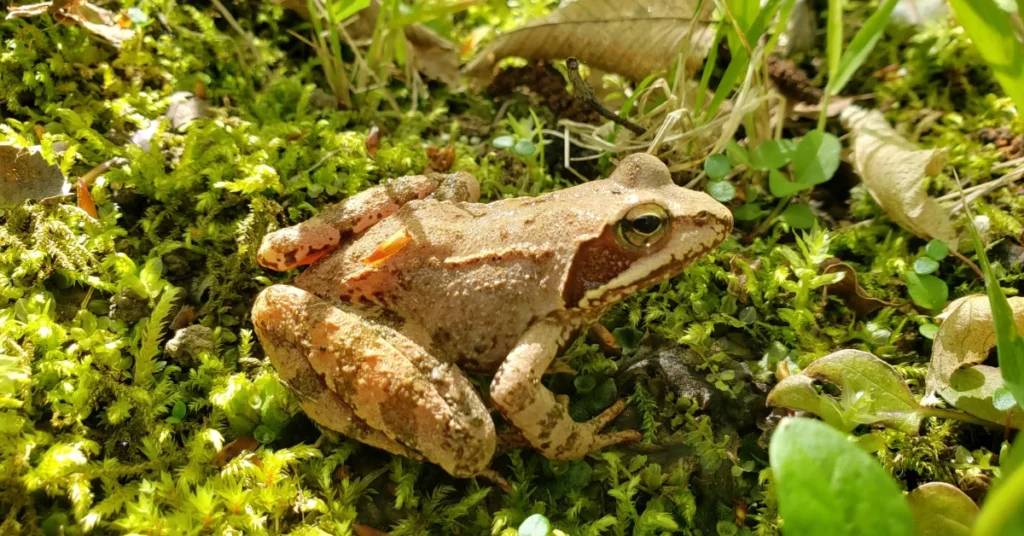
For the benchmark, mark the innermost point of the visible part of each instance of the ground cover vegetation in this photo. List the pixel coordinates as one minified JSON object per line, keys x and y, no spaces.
{"x":846,"y":362}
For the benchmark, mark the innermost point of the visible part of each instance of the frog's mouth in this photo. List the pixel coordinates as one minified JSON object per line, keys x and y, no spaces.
{"x":603,"y":273}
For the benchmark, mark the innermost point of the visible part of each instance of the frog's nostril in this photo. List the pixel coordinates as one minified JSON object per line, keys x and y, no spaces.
{"x":701,"y":217}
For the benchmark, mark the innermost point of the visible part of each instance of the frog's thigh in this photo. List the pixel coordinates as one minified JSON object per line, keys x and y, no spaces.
{"x":391,"y":383}
{"x":533,"y":409}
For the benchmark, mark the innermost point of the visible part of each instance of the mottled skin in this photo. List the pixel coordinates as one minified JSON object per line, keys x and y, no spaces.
{"x":376,"y":349}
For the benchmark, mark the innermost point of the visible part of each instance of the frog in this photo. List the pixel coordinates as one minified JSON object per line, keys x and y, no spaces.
{"x":413,"y":285}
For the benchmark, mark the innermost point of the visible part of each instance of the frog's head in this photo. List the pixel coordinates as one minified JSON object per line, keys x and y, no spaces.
{"x":651,"y":231}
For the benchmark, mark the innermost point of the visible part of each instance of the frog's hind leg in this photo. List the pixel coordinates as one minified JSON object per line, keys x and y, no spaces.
{"x":310,"y":240}
{"x":408,"y":398}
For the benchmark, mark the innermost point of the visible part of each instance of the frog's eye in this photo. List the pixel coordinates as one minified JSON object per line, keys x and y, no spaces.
{"x":643,"y":225}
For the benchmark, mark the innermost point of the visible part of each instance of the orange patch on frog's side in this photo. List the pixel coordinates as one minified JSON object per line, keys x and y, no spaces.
{"x":390,"y":246}
{"x":597,"y":261}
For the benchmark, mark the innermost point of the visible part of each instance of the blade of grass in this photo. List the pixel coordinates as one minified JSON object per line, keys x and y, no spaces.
{"x":1009,"y":343}
{"x":834,"y":50}
{"x":861,"y":46}
{"x":991,"y":30}
{"x":741,"y":58}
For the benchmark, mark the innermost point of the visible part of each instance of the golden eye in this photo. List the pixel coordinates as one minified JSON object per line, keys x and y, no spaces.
{"x":643,"y":225}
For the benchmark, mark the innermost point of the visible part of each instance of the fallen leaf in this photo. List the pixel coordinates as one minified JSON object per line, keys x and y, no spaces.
{"x":835,"y":106}
{"x":440,"y":159}
{"x":373,"y":141}
{"x":850,"y":290}
{"x":941,"y":509}
{"x":25,"y":174}
{"x":85,"y":201}
{"x":894,"y":170}
{"x":184,"y":108}
{"x":366,"y":530}
{"x":233,"y":449}
{"x":956,"y":373}
{"x":872,"y":392}
{"x":432,"y":55}
{"x":633,"y":38}
{"x":98,"y":21}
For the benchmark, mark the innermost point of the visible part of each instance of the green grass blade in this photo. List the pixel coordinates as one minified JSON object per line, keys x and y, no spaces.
{"x":861,"y":46}
{"x":991,"y":30}
{"x":835,"y":37}
{"x":1009,"y":343}
{"x":741,"y":59}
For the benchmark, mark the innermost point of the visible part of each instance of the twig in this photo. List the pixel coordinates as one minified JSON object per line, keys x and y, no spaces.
{"x":968,"y":262}
{"x":583,"y":91}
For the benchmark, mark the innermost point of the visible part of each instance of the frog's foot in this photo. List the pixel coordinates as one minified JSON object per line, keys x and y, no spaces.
{"x":374,"y":384}
{"x":535,"y":411}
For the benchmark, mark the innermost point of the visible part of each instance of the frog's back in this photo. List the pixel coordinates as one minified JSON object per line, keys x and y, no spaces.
{"x":473,"y":276}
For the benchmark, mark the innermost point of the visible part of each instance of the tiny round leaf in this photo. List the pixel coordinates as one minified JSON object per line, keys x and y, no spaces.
{"x":798,"y":216}
{"x":928,"y":331}
{"x":937,"y":249}
{"x":717,"y":166}
{"x":535,"y":525}
{"x":524,"y":148}
{"x":503,"y":142}
{"x":722,"y":191}
{"x":925,"y":265}
{"x":816,"y":158}
{"x":927,"y":291}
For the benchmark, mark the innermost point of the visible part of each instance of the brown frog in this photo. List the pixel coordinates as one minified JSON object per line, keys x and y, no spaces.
{"x":413,"y":282}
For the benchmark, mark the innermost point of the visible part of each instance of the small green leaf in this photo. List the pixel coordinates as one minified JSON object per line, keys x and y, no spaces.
{"x":177,"y":413}
{"x":503,"y":142}
{"x":925,"y":265}
{"x":772,"y":154}
{"x":1003,"y":399}
{"x":927,"y":291}
{"x":928,"y":331}
{"x":747,"y":212}
{"x":937,"y":249}
{"x":722,"y":191}
{"x":941,"y":509}
{"x":798,"y":216}
{"x":816,"y":158}
{"x":524,"y":148}
{"x":584,"y":383}
{"x":717,"y":166}
{"x":737,"y":153}
{"x":826,"y":485}
{"x":780,"y":186}
{"x":535,"y":525}
{"x":628,"y":338}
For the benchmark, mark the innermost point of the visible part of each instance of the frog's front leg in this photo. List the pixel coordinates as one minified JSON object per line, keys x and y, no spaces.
{"x":535,"y":411}
{"x":310,"y":240}
{"x":374,"y":383}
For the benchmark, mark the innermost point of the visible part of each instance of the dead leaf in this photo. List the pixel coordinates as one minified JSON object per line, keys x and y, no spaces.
{"x":373,"y":141}
{"x":440,"y":159}
{"x":366,"y":530}
{"x":850,"y":290}
{"x":941,"y":509}
{"x":434,"y":56}
{"x":184,"y":108}
{"x":233,"y":449}
{"x":962,"y":344}
{"x":894,"y":170}
{"x":835,"y":106}
{"x":25,"y":174}
{"x":633,"y":38}
{"x":98,"y":21}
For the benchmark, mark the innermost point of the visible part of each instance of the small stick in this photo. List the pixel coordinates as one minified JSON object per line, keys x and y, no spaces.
{"x":584,"y":92}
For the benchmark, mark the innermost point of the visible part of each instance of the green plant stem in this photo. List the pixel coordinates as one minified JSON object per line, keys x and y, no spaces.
{"x":1001,"y":505}
{"x":958,"y":416}
{"x":771,"y":217}
{"x":823,"y":114}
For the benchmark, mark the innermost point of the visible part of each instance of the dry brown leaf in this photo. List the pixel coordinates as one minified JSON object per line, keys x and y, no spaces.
{"x":99,"y":21}
{"x":894,"y":170}
{"x":962,"y":343}
{"x":850,"y":290}
{"x":434,"y":56}
{"x":633,"y":38}
{"x":25,"y":174}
